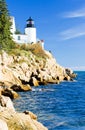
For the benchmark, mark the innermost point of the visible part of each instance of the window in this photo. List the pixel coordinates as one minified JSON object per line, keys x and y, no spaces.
{"x":18,"y":37}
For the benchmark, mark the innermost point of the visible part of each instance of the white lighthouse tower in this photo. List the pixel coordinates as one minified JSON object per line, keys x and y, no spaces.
{"x":30,"y":30}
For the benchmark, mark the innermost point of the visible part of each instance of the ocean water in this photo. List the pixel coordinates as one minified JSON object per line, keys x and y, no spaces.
{"x":58,"y":107}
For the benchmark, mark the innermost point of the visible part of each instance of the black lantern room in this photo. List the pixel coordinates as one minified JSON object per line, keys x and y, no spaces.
{"x":30,"y":23}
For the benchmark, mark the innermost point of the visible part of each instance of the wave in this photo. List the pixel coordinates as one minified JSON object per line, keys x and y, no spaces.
{"x":42,"y":89}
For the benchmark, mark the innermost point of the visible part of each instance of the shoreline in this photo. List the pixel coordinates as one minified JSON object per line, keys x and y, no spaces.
{"x":13,"y":120}
{"x":19,"y":74}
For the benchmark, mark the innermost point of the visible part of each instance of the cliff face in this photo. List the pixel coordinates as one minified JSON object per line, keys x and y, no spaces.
{"x":12,"y":120}
{"x":20,"y":72}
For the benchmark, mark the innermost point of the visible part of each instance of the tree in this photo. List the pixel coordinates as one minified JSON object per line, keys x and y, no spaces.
{"x":5,"y":25}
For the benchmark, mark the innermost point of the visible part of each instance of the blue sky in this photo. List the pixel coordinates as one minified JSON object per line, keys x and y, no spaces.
{"x":60,"y":23}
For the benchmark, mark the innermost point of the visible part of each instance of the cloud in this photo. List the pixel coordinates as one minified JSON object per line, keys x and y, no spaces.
{"x":75,"y":14}
{"x":73,"y":32}
{"x":77,"y":68}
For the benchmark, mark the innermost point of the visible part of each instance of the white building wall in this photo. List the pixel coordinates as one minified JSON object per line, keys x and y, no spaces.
{"x":20,"y":38}
{"x":13,"y":27}
{"x":31,"y":33}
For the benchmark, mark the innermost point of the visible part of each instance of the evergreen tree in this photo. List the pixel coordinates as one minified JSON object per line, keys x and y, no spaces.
{"x":5,"y":24}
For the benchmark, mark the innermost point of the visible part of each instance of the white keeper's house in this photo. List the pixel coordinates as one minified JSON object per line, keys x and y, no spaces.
{"x":29,"y":35}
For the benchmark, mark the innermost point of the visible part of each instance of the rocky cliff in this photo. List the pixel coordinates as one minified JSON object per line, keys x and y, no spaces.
{"x":12,"y":120}
{"x":20,"y":70}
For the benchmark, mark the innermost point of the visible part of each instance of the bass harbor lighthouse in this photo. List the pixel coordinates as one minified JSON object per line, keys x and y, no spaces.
{"x":30,"y":30}
{"x":29,"y":35}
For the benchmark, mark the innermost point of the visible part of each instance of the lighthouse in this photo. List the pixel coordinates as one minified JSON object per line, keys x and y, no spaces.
{"x":29,"y":35}
{"x":30,"y":30}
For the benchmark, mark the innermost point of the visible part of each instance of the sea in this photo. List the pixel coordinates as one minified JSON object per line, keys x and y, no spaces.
{"x":57,"y":106}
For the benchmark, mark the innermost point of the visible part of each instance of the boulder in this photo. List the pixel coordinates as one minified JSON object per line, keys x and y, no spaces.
{"x":7,"y":77}
{"x":12,"y":120}
{"x":3,"y":125}
{"x":67,"y":78}
{"x":32,"y":115}
{"x":21,"y":87}
{"x":6,"y":102}
{"x":5,"y":59}
{"x":34,"y":82}
{"x":70,"y":73}
{"x":39,"y":125}
{"x":20,"y":121}
{"x":10,"y":93}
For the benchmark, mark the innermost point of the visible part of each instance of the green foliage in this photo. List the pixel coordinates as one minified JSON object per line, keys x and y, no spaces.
{"x":29,"y":51}
{"x":19,"y":52}
{"x":5,"y":24}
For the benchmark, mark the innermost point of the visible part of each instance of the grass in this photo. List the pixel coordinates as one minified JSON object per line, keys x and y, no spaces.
{"x":29,"y":51}
{"x":36,"y":49}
